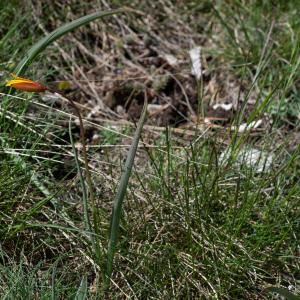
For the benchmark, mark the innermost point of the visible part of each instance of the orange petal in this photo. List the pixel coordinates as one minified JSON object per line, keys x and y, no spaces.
{"x":16,"y":77}
{"x":25,"y":85}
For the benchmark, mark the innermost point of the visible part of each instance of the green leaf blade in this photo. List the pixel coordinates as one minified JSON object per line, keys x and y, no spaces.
{"x":42,"y":44}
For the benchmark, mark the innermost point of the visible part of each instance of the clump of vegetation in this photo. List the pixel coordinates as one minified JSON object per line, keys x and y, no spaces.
{"x":212,"y":203}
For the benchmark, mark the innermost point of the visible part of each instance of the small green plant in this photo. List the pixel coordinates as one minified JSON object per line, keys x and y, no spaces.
{"x":32,"y":86}
{"x":109,"y":137}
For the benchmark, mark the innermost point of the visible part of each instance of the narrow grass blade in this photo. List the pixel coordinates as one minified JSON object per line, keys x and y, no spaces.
{"x":19,"y":161}
{"x":56,"y":34}
{"x":117,"y":209}
{"x":82,"y":183}
{"x":82,"y":290}
{"x":53,"y":276}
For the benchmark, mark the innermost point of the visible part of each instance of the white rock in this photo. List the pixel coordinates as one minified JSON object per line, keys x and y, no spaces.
{"x":223,"y":106}
{"x":171,"y":59}
{"x":195,"y":55}
{"x":259,"y":160}
{"x":243,"y":127}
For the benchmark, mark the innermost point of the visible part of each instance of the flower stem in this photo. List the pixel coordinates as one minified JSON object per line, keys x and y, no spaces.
{"x":83,"y":142}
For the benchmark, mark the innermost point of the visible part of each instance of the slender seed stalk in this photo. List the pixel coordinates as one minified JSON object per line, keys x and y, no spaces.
{"x":84,"y":146}
{"x":94,"y":240}
{"x":82,"y":140}
{"x":88,"y":175}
